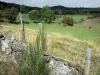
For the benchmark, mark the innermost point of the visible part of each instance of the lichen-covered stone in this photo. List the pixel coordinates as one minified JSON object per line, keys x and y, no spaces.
{"x":59,"y":68}
{"x":10,"y":44}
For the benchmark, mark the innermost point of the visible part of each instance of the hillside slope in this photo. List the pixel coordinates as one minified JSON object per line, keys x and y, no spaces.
{"x":63,"y":46}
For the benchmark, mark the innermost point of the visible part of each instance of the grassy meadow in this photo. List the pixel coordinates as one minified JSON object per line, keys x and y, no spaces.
{"x":66,"y":42}
{"x":80,"y":31}
{"x":57,"y":20}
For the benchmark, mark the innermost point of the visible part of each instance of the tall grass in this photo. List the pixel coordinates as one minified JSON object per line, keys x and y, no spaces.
{"x":66,"y":47}
{"x":32,"y":60}
{"x":33,"y":63}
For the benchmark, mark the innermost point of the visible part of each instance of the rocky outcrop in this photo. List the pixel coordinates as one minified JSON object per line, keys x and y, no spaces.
{"x":12,"y":47}
{"x":60,"y":68}
{"x":9,"y":44}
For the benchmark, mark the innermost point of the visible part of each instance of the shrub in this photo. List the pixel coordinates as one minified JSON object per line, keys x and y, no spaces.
{"x":68,"y":21}
{"x":90,"y":27}
{"x":81,"y":20}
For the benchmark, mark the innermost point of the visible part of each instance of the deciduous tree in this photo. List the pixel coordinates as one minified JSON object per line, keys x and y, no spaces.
{"x":11,"y":14}
{"x":47,"y":14}
{"x":34,"y":15}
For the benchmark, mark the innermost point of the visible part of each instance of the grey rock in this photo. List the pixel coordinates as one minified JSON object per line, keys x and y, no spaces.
{"x":59,"y":68}
{"x":10,"y":44}
{"x":10,"y":37}
{"x":5,"y":47}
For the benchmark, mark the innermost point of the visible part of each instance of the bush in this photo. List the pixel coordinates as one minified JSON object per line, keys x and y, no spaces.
{"x":68,"y":21}
{"x":90,"y":27}
{"x":81,"y":20}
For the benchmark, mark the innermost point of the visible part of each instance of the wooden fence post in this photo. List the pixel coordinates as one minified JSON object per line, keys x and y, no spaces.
{"x":22,"y":26}
{"x":88,"y":61}
{"x":40,"y":26}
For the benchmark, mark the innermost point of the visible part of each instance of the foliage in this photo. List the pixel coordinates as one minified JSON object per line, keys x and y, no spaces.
{"x":80,"y":10}
{"x":6,"y":13}
{"x":81,"y":20}
{"x":94,"y":15}
{"x":11,"y":14}
{"x":1,"y":15}
{"x":34,"y":15}
{"x":5,"y":5}
{"x":23,"y":9}
{"x":68,"y":21}
{"x":47,"y":14}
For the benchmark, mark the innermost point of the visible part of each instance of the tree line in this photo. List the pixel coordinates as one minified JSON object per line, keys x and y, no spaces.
{"x":21,"y":8}
{"x":9,"y":13}
{"x":64,"y":10}
{"x":45,"y":14}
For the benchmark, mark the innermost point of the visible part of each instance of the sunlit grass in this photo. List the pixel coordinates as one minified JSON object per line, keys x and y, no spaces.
{"x":82,"y":33}
{"x":66,"y":42}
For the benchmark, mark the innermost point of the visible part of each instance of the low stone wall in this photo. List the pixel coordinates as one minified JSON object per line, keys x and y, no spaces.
{"x":10,"y":46}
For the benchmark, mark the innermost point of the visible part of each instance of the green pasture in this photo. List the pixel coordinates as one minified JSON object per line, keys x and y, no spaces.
{"x":76,"y":18}
{"x":68,"y":42}
{"x":25,"y":18}
{"x":80,"y":31}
